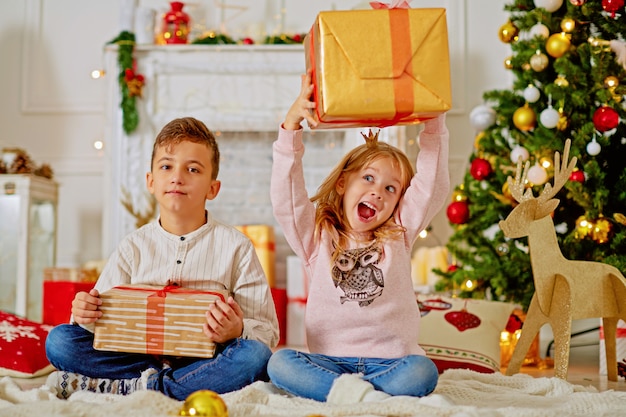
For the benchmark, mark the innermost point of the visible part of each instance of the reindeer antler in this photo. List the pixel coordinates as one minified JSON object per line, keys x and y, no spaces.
{"x":517,"y":186}
{"x":140,"y":217}
{"x":561,"y":173}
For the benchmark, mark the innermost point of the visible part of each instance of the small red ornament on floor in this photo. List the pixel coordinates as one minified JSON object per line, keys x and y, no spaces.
{"x":621,"y":368}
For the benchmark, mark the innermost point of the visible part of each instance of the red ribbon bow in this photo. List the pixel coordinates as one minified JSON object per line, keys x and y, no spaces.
{"x":395,"y":4}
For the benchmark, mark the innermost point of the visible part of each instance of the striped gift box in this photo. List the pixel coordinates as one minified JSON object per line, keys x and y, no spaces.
{"x":158,"y":320}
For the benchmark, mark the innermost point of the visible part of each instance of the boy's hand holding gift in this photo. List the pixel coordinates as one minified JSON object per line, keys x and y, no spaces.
{"x":224,"y":321}
{"x":85,"y":307}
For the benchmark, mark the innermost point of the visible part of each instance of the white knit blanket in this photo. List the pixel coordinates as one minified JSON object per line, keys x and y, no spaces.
{"x":460,"y":393}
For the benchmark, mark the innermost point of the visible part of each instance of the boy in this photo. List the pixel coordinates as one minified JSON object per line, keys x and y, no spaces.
{"x":186,"y":246}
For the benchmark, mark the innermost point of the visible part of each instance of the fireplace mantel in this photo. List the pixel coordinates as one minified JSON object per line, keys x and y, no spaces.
{"x":232,"y":88}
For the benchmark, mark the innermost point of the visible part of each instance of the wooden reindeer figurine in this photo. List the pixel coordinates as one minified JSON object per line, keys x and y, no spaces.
{"x":565,"y":290}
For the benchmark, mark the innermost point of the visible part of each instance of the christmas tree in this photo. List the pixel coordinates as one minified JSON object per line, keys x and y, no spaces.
{"x":569,"y":65}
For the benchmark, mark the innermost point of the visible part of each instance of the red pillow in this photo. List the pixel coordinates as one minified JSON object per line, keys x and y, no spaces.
{"x":22,"y":347}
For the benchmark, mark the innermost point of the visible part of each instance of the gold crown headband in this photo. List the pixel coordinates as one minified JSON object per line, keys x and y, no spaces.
{"x":371,"y":139}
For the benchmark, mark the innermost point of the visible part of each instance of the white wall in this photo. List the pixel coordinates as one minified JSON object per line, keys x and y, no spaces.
{"x":55,"y":111}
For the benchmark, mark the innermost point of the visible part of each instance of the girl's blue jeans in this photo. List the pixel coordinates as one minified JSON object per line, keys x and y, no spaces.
{"x":69,"y":348}
{"x":312,"y":375}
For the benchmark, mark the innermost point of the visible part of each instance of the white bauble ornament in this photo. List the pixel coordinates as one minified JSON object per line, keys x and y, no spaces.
{"x":537,"y":174}
{"x":549,"y":117}
{"x":481,"y":117}
{"x":593,"y":147}
{"x":531,"y":94}
{"x":519,"y":152}
{"x":549,"y":5}
{"x":539,"y":29}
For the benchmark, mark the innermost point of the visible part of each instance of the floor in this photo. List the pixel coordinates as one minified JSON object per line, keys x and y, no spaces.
{"x":583,"y":370}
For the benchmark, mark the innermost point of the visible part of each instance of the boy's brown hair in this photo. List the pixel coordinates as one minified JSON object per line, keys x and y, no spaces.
{"x":188,"y":129}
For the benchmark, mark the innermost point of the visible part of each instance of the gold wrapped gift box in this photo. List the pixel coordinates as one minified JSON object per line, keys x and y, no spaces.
{"x":155,"y":320}
{"x":264,"y":241}
{"x":379,"y":67}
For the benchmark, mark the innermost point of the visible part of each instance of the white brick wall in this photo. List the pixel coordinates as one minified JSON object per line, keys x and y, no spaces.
{"x":246,"y":162}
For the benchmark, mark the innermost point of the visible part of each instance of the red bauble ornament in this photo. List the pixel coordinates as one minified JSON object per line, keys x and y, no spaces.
{"x":605,"y":118}
{"x":578,"y":176}
{"x":612,"y":6}
{"x":480,"y":169}
{"x":247,"y":41}
{"x":458,"y":212}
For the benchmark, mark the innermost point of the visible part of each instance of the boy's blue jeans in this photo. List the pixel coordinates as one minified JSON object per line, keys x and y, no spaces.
{"x":312,"y":375}
{"x":70,"y":348}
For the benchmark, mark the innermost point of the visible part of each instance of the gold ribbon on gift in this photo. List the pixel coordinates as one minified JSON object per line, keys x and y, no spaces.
{"x":401,"y":52}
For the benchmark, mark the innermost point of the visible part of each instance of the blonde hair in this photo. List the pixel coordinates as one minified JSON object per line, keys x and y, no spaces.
{"x":329,"y":215}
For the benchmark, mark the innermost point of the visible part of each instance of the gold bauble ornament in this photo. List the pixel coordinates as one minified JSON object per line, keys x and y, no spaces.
{"x":561,"y":81}
{"x":477,"y":139}
{"x":204,"y":403}
{"x":508,"y":63}
{"x":568,"y":24}
{"x":601,"y":230}
{"x":539,"y":61}
{"x":506,"y":191}
{"x":458,"y":195}
{"x":558,"y":44}
{"x":508,"y":32}
{"x":611,"y":81}
{"x":524,"y":118}
{"x":620,"y":218}
{"x":583,"y":227}
{"x":563,"y":121}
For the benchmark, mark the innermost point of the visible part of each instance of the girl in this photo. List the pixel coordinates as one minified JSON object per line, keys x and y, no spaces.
{"x":354,"y":238}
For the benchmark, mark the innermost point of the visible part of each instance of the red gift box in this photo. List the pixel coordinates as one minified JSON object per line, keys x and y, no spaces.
{"x":58,"y":297}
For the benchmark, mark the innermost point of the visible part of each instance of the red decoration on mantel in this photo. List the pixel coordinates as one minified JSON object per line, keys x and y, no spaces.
{"x":176,"y":24}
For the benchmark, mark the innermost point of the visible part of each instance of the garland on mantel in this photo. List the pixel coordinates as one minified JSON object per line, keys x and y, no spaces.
{"x":131,"y":83}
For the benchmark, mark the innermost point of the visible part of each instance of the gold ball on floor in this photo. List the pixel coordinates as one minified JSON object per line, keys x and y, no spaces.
{"x":204,"y":403}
